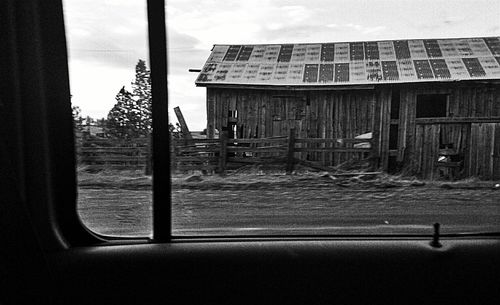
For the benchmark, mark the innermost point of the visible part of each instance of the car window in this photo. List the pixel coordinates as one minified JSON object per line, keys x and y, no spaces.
{"x":292,"y":117}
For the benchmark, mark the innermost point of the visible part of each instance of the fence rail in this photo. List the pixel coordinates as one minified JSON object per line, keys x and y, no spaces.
{"x":224,"y":153}
{"x":101,"y":154}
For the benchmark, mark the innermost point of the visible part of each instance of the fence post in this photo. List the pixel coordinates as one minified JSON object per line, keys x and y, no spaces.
{"x":290,"y":162}
{"x":223,"y":135}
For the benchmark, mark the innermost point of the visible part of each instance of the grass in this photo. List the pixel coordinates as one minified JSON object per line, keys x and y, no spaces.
{"x":257,"y":175}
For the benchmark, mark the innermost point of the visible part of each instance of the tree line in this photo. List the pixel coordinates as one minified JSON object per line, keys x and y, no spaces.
{"x":131,"y":115}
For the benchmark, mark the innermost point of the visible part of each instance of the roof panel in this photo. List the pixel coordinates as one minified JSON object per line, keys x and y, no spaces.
{"x":327,"y":52}
{"x":313,"y":53}
{"x":386,"y":49}
{"x":448,"y":48}
{"x":494,"y":45}
{"x":281,"y":72}
{"x":345,"y":63}
{"x":390,"y":70}
{"x":342,"y":73}
{"x":457,"y":68}
{"x":417,"y":49}
{"x":490,"y":66}
{"x":285,"y":53}
{"x":326,"y":73}
{"x":357,"y":71}
{"x":257,"y":54}
{"x":299,"y":53}
{"x":407,"y":70}
{"x":402,"y":49}
{"x":342,"y":52}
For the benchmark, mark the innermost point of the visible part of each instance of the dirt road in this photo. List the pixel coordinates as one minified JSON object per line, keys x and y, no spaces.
{"x":296,"y":206}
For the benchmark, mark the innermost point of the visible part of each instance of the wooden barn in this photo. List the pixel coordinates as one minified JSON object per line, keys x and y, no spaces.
{"x":429,"y":106}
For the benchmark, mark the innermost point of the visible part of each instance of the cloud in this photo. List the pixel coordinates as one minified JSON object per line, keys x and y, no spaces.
{"x":113,"y":34}
{"x":365,"y":29}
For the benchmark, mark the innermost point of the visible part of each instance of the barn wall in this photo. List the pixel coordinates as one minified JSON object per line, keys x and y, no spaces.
{"x":476,"y":142}
{"x":313,"y":114}
{"x":261,"y":113}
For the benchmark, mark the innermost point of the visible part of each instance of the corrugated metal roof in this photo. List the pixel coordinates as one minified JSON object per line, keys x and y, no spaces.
{"x":350,"y":63}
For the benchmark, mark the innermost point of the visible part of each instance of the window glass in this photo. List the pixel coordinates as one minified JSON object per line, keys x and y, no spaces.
{"x":111,"y":101}
{"x":267,"y":153}
{"x":300,"y":117}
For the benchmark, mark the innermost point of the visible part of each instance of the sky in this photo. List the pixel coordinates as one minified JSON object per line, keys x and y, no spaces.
{"x":106,"y":38}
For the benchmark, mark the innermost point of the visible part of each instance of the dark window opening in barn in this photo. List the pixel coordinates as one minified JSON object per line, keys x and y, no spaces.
{"x":431,"y":105}
{"x":395,"y":101}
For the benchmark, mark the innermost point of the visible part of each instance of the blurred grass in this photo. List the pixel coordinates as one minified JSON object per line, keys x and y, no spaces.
{"x":258,"y":176}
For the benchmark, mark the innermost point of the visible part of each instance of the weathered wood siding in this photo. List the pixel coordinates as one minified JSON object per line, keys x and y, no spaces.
{"x":477,"y":142}
{"x":313,"y":114}
{"x":258,"y":113}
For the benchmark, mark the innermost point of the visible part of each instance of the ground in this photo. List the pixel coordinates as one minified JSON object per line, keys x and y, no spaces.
{"x":257,"y":202}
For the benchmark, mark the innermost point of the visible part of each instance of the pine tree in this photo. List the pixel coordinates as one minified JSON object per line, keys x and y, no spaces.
{"x":131,"y":116}
{"x":142,"y":95}
{"x":119,"y":122}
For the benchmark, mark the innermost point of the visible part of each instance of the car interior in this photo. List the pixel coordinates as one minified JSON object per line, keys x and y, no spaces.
{"x":48,"y":257}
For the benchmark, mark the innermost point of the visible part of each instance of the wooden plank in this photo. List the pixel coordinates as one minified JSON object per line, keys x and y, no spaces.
{"x":199,"y":149}
{"x":291,"y":150}
{"x":124,"y":159}
{"x":184,"y":127}
{"x":473,"y":171}
{"x":480,"y":150}
{"x":426,"y":153}
{"x":196,"y":159}
{"x":489,"y":150}
{"x":329,"y":140}
{"x":436,"y":129}
{"x":496,"y":152}
{"x":253,"y":160}
{"x":223,"y":152}
{"x":262,"y":116}
{"x":464,"y":147}
{"x":418,"y":153}
{"x":384,"y":95}
{"x":402,"y":128}
{"x":117,"y":150}
{"x":195,"y":141}
{"x":377,"y":132}
{"x":210,"y":114}
{"x":410,"y":117}
{"x":278,"y":139}
{"x":273,"y":149}
{"x":334,"y":149}
{"x":457,"y":120}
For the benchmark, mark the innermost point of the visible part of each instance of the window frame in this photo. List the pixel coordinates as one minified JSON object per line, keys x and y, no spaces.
{"x":52,"y":258}
{"x":70,"y":227}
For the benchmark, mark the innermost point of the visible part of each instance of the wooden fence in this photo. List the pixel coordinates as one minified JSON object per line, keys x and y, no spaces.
{"x":223,"y":154}
{"x":219,"y":155}
{"x":111,"y":154}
